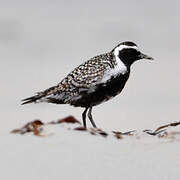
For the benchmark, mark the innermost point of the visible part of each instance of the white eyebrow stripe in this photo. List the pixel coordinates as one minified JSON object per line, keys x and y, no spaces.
{"x":119,"y":48}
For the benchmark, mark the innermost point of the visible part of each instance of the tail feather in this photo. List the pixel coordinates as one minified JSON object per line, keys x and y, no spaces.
{"x":31,"y":99}
{"x":45,"y":96}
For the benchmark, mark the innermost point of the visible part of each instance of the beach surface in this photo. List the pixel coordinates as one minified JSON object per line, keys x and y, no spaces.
{"x":41,"y":42}
{"x":67,"y":151}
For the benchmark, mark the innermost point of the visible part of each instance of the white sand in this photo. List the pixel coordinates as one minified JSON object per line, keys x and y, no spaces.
{"x":68,"y":154}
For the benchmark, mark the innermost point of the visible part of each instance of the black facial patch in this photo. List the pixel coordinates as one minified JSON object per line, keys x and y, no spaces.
{"x":129,"y":55}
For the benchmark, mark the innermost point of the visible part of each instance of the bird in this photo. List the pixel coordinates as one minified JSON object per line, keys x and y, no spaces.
{"x":95,"y":81}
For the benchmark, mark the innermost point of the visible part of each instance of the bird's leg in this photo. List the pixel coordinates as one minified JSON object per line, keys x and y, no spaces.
{"x":84,"y":117}
{"x":91,"y":118}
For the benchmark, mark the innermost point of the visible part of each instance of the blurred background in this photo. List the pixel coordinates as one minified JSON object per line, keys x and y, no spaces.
{"x":41,"y":41}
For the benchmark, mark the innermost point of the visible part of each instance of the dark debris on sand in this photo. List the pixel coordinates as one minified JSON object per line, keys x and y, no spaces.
{"x":69,"y":119}
{"x":36,"y":128}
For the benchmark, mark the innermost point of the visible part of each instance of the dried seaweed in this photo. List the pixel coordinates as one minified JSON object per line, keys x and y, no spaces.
{"x":34,"y":126}
{"x":69,"y":119}
{"x":168,"y":125}
{"x":119,"y":135}
{"x":81,"y":128}
{"x":161,"y":129}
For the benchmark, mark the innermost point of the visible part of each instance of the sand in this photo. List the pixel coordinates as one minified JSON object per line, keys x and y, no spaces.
{"x":60,"y":152}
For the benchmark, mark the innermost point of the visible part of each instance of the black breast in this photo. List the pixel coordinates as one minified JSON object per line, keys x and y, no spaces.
{"x":103,"y":92}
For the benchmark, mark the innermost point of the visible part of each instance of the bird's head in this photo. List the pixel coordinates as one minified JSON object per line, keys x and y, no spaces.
{"x":128,"y":52}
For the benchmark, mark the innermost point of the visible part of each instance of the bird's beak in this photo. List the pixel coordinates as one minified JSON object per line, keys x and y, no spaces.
{"x":144,"y":56}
